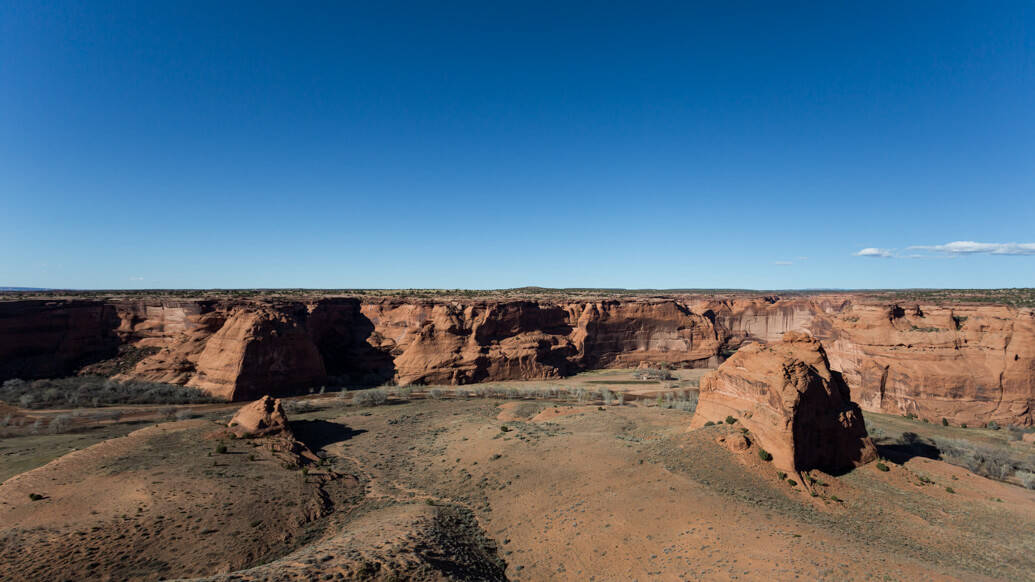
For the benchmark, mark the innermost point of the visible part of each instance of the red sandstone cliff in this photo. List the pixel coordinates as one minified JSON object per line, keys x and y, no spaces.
{"x":968,"y":364}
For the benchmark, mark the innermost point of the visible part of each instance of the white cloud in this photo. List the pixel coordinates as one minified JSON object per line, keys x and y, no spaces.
{"x":782,"y":263}
{"x":966,"y":247}
{"x":136,"y":278}
{"x":874,"y":252}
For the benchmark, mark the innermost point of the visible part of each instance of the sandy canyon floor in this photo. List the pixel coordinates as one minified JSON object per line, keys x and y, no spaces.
{"x":484,"y":489}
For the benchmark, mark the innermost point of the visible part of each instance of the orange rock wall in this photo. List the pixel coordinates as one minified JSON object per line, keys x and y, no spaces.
{"x":968,"y":364}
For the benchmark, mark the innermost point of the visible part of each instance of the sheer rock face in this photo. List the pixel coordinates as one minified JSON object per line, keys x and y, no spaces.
{"x":968,"y":364}
{"x":264,"y":417}
{"x":791,"y":402}
{"x":41,"y":339}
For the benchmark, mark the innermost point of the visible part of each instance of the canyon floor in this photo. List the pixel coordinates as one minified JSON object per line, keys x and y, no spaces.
{"x":487,"y":489}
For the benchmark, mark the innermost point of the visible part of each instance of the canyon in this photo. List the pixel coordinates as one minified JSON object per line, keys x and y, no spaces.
{"x":964,"y":362}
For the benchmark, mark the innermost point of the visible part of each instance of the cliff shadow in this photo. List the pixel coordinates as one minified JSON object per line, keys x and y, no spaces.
{"x":342,"y":335}
{"x":317,"y":434}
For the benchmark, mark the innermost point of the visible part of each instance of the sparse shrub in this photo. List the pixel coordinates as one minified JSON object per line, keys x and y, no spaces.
{"x":950,"y":490}
{"x":764,"y":455}
{"x":945,"y":422}
{"x":436,"y":393}
{"x":620,"y":398}
{"x":60,"y":423}
{"x":372,"y":397}
{"x":730,"y":420}
{"x":792,"y":482}
{"x":654,"y":374}
{"x":964,"y":425}
{"x":709,"y":423}
{"x":504,"y":428}
{"x":221,"y":449}
{"x":35,"y":496}
{"x":1027,"y":479}
{"x":97,"y":390}
{"x":993,"y":425}
{"x":987,"y":461}
{"x":606,"y":396}
{"x":882,"y":467}
{"x":781,"y":475}
{"x":836,"y":498}
{"x":185,"y":415}
{"x":874,"y":431}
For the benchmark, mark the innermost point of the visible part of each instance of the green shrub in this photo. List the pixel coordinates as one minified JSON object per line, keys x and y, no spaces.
{"x":35,"y":496}
{"x":950,"y":490}
{"x":221,"y":449}
{"x":882,"y":467}
{"x":792,"y":482}
{"x":709,"y":423}
{"x":764,"y":455}
{"x":945,"y":422}
{"x":730,"y":420}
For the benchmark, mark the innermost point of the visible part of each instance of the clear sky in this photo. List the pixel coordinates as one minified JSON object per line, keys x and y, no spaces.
{"x":486,"y":145}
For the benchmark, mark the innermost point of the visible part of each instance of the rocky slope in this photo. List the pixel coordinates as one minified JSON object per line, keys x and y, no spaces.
{"x":785,"y":394}
{"x":968,"y":364}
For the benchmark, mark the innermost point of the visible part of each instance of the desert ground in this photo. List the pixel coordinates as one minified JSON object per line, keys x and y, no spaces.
{"x":547,"y":482}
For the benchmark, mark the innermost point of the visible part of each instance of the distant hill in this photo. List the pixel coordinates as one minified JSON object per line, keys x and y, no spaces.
{"x":8,"y":289}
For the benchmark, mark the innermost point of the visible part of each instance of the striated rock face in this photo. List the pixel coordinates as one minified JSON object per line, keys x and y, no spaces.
{"x":792,"y":403}
{"x":258,"y":349}
{"x":40,"y":339}
{"x":968,"y":364}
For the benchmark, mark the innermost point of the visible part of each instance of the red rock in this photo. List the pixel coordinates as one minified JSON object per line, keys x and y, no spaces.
{"x":793,"y":405}
{"x":264,"y":417}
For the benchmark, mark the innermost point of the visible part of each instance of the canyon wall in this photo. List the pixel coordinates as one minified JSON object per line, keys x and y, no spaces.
{"x":968,"y":364}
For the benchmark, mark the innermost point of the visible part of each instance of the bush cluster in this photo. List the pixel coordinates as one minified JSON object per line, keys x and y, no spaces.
{"x":86,"y":391}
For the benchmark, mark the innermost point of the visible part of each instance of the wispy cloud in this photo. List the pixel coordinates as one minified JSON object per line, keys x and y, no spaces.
{"x":967,"y":247}
{"x":949,"y":250}
{"x":875,"y":252}
{"x":783,"y":263}
{"x":136,"y":278}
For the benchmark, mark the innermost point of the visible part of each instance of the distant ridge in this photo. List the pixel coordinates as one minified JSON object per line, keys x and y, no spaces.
{"x":3,"y":289}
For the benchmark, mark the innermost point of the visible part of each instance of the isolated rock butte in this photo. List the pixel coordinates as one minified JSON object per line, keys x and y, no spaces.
{"x":264,"y":417}
{"x":792,"y":403}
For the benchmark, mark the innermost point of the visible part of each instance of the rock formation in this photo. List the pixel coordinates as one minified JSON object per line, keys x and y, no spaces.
{"x":969,"y":364}
{"x":792,"y":403}
{"x":266,"y":420}
{"x":263,"y":417}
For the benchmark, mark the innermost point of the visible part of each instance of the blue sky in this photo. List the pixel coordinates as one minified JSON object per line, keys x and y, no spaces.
{"x":487,"y":145}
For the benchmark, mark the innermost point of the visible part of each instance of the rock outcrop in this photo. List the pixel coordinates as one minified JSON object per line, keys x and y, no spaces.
{"x":792,"y":403}
{"x":969,"y":364}
{"x":266,"y":421}
{"x":264,"y":417}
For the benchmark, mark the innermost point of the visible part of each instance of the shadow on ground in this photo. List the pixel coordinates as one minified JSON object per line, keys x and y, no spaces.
{"x":900,"y":452}
{"x":317,"y":434}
